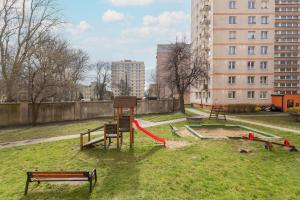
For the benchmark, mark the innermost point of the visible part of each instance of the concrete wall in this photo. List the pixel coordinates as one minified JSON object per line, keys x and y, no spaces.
{"x":21,"y":113}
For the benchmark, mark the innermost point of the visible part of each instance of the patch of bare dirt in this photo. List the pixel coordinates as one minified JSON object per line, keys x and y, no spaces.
{"x":183,"y":132}
{"x":177,"y":144}
{"x":220,"y":132}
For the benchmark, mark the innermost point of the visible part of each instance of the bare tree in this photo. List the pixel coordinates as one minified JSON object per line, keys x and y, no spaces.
{"x":124,"y":86}
{"x":183,"y":72}
{"x":157,"y":83}
{"x":103,"y":78}
{"x":50,"y":70}
{"x":22,"y":24}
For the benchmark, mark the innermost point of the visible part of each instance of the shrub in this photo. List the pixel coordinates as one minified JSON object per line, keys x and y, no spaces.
{"x":295,"y":113}
{"x":241,"y":108}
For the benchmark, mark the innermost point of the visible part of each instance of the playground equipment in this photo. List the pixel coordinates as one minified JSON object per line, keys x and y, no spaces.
{"x":217,"y":112}
{"x":124,"y":108}
{"x":90,"y":142}
{"x":124,"y":122}
{"x":158,"y":139}
{"x":269,"y":144}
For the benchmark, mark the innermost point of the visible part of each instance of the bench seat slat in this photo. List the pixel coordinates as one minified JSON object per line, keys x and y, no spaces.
{"x":58,"y":176}
{"x":75,"y":172}
{"x":59,"y":179}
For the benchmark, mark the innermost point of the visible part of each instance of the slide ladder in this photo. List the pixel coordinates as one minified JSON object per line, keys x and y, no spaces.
{"x":155,"y":137}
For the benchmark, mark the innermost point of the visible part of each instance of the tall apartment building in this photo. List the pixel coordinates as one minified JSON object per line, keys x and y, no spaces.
{"x":287,"y":46}
{"x":236,"y":37}
{"x":130,"y":76}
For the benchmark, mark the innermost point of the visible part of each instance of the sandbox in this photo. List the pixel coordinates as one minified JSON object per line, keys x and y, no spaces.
{"x":216,"y":131}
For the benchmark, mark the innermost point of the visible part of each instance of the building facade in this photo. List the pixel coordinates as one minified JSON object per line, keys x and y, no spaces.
{"x":165,"y":90}
{"x":88,"y":92}
{"x":128,"y":78}
{"x":238,"y":40}
{"x":287,"y":47}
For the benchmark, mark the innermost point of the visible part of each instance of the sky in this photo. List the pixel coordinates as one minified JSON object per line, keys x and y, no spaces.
{"x":112,"y":30}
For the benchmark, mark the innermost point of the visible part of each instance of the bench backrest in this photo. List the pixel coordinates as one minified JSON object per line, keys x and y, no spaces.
{"x":58,"y":174}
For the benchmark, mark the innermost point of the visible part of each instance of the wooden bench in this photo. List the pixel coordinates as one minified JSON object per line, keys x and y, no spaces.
{"x":60,"y":177}
{"x":90,"y":142}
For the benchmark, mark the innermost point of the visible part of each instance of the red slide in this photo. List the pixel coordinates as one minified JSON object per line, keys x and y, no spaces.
{"x":155,"y":137}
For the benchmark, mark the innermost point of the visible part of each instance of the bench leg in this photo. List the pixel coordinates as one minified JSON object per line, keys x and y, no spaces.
{"x":91,"y":185}
{"x":96,"y":176}
{"x":26,"y":187}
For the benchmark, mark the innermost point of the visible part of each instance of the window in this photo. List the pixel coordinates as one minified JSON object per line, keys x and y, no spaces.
{"x":251,"y":65}
{"x":232,"y":50}
{"x":264,"y":19}
{"x":263,"y":95}
{"x":251,"y":50}
{"x":251,"y":4}
{"x":263,"y":65}
{"x":232,"y":94}
{"x":264,"y":35}
{"x":264,"y":50}
{"x":231,"y":79}
{"x":232,"y":19}
{"x":264,"y":80}
{"x":251,"y":94}
{"x":251,"y":35}
{"x":264,"y":4}
{"x":231,"y":64}
{"x":232,"y":35}
{"x":251,"y":79}
{"x":251,"y":20}
{"x":232,"y":4}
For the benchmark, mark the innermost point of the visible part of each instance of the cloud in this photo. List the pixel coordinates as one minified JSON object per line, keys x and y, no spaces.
{"x":112,"y":16}
{"x":77,"y":29}
{"x":141,"y":2}
{"x":165,"y":24}
{"x":131,"y":2}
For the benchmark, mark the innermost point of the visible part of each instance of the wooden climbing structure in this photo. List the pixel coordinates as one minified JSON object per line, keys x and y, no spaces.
{"x":124,"y":107}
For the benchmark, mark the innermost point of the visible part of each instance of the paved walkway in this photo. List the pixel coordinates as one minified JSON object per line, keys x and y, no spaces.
{"x":234,"y":118}
{"x":143,"y":123}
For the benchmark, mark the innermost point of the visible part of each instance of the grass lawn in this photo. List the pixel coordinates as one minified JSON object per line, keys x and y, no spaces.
{"x":46,"y":131}
{"x":204,"y":170}
{"x":167,"y":117}
{"x":282,"y":121}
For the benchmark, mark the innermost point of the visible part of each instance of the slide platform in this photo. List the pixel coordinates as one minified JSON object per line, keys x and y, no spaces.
{"x":155,"y":137}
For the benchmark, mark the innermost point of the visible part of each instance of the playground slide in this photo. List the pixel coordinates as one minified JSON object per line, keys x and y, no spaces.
{"x":155,"y":137}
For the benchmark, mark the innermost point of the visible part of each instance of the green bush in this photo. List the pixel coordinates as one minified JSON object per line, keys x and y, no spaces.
{"x":241,"y":108}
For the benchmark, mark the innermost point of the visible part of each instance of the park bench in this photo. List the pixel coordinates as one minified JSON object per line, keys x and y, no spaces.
{"x":61,"y":177}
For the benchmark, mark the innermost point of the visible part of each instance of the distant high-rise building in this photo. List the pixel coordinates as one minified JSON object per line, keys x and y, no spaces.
{"x":128,"y":78}
{"x":237,"y":39}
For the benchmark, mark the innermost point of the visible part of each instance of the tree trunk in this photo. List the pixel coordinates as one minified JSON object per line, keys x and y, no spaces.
{"x":181,"y":100}
{"x":35,"y":113}
{"x":9,"y":92}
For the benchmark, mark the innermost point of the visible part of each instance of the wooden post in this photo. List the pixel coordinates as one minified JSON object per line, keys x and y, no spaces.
{"x":89,"y":134}
{"x":104,"y":136}
{"x":81,"y":141}
{"x":131,"y":127}
{"x":118,"y":128}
